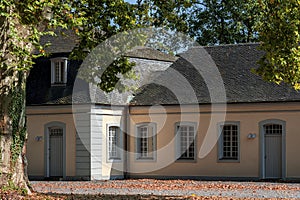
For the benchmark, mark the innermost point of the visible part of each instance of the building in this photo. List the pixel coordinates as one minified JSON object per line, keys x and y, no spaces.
{"x":179,"y":125}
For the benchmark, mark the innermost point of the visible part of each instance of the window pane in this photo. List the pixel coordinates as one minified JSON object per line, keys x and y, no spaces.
{"x":230,"y":142}
{"x":62,"y":72}
{"x":56,"y":132}
{"x":273,"y":129}
{"x":59,"y":71}
{"x":187,"y":147}
{"x":113,"y":142}
{"x":145,"y":142}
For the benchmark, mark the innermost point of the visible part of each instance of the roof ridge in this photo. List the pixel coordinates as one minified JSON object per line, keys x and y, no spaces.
{"x":228,"y":45}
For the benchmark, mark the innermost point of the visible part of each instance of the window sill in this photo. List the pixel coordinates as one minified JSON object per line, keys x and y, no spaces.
{"x":228,"y":161}
{"x":186,"y":161}
{"x":114,"y":160}
{"x":58,"y":84}
{"x":145,"y":159}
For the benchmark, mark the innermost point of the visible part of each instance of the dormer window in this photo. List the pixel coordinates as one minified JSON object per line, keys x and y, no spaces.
{"x":59,"y":70}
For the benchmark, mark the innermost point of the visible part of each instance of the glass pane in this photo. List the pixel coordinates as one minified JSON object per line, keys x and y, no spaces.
{"x":56,"y":132}
{"x":230,"y":142}
{"x":113,"y":142}
{"x":186,"y":141}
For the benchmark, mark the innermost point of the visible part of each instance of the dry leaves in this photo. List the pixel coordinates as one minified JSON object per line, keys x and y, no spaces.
{"x":64,"y":187}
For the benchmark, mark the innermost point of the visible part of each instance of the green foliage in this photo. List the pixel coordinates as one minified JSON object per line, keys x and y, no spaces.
{"x":171,"y":15}
{"x":119,"y":66}
{"x":99,"y":20}
{"x":22,"y":23}
{"x":279,"y":28}
{"x":17,"y":115}
{"x":223,"y":22}
{"x":26,"y":21}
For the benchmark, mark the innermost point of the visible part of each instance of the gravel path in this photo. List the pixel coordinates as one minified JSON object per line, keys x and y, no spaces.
{"x":173,"y":188}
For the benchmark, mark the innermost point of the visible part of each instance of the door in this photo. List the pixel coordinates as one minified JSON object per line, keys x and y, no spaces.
{"x":273,"y":150}
{"x":56,"y":152}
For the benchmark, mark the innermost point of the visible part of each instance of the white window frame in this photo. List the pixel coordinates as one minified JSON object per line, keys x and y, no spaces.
{"x":143,"y":139}
{"x":179,"y":141}
{"x":221,"y":157}
{"x":119,"y":142}
{"x":63,"y":77}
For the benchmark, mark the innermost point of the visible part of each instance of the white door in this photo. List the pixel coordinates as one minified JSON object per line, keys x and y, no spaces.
{"x":56,"y":152}
{"x":273,"y":150}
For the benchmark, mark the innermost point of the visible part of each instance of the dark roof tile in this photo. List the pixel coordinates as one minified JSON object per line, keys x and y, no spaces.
{"x":234,"y":63}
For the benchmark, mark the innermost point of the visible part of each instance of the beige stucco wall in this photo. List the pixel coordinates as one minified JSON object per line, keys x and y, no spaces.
{"x":248,"y":115}
{"x":37,"y":118}
{"x":111,"y":168}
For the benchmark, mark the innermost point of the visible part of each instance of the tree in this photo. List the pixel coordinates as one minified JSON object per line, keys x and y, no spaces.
{"x":223,"y":21}
{"x":279,"y":32}
{"x":145,"y":13}
{"x":22,"y":23}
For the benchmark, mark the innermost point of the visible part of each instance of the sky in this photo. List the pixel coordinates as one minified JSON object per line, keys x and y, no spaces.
{"x":131,"y":1}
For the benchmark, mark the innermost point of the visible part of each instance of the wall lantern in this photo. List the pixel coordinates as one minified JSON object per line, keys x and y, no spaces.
{"x":251,"y":136}
{"x":38,"y":138}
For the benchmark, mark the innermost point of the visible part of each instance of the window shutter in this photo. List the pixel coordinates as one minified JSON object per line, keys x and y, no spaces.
{"x":138,"y":145}
{"x":150,"y":140}
{"x":118,"y":142}
{"x":177,"y":142}
{"x":65,"y":78}
{"x":52,"y":72}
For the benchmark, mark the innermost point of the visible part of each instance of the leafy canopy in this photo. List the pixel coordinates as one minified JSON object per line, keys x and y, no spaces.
{"x":26,"y":21}
{"x":279,"y":29}
{"x":275,"y":23}
{"x":223,"y":21}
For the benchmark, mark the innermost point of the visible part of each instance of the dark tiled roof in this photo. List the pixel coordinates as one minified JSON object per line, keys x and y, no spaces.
{"x":234,"y":63}
{"x":151,"y":54}
{"x":63,"y":42}
{"x":40,"y":91}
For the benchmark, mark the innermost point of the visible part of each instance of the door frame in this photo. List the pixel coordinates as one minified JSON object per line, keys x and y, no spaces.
{"x":46,"y":147}
{"x":262,"y":147}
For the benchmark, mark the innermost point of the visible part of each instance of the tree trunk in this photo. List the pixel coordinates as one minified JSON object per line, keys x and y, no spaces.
{"x":15,"y":61}
{"x":13,"y":133}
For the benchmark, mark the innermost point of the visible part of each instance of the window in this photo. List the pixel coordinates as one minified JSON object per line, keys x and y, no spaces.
{"x":186,"y":133}
{"x":229,"y":142}
{"x":56,"y":131}
{"x":146,"y":141}
{"x":114,"y":143}
{"x":273,"y":129}
{"x":59,"y":70}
